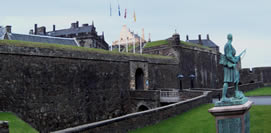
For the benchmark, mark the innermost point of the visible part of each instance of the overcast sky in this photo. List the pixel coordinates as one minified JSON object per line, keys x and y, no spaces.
{"x":248,"y":20}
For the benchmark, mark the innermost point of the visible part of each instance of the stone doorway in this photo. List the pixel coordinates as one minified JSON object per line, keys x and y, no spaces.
{"x":139,"y":75}
{"x":139,"y":79}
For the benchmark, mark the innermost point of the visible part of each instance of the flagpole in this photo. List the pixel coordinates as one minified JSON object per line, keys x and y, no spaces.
{"x":126,"y":45}
{"x":140,"y":45}
{"x":119,"y":45}
{"x":134,"y":44}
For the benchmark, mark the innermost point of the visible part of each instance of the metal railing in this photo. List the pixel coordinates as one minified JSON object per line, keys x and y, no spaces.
{"x":169,"y":96}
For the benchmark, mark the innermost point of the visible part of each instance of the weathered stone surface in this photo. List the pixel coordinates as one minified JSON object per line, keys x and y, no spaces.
{"x":256,"y":75}
{"x":232,"y":119}
{"x":128,"y":122}
{"x":203,"y":63}
{"x":55,"y":89}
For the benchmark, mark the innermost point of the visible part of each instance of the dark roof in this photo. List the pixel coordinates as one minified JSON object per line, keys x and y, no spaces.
{"x":37,"y":38}
{"x":136,"y":35}
{"x":205,"y":42}
{"x":83,"y":29}
{"x":43,"y":39}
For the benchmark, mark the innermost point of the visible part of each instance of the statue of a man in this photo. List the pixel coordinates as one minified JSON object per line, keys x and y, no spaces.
{"x":231,"y":73}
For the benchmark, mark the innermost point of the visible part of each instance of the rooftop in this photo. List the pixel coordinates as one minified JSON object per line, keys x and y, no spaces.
{"x":204,"y":42}
{"x":7,"y":34}
{"x":75,"y":30}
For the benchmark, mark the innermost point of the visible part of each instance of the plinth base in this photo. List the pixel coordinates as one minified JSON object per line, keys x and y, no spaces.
{"x":232,"y":119}
{"x":233,"y":101}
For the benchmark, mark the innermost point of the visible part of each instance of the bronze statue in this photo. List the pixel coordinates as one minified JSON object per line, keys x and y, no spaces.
{"x":231,"y":73}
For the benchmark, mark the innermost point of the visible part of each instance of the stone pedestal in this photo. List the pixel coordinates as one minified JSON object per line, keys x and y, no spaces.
{"x":4,"y":128}
{"x":232,"y":119}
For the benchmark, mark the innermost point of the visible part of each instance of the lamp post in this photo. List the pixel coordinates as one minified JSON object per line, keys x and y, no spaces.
{"x":180,"y":76}
{"x":192,"y":77}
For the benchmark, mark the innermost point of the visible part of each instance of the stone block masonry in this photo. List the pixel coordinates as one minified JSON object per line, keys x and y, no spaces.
{"x":52,"y":89}
{"x":200,"y":62}
{"x":128,"y":122}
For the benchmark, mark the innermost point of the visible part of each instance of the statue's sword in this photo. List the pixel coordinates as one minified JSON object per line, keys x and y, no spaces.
{"x":242,"y":55}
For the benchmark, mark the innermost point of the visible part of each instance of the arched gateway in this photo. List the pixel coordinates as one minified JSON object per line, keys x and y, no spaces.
{"x":139,"y":79}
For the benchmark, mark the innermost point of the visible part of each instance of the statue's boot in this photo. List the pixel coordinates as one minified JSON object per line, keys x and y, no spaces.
{"x":225,"y":99}
{"x":239,"y":94}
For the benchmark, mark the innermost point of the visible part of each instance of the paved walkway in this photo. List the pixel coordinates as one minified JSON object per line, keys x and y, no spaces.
{"x":257,"y":100}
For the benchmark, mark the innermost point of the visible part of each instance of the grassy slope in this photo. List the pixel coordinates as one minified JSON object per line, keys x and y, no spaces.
{"x":198,"y":120}
{"x":16,"y":125}
{"x":164,"y":42}
{"x":260,"y":119}
{"x":194,"y":45}
{"x":156,"y":43}
{"x":74,"y":48}
{"x":265,"y":91}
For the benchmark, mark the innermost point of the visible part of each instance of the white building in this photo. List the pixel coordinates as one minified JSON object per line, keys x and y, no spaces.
{"x":126,"y":36}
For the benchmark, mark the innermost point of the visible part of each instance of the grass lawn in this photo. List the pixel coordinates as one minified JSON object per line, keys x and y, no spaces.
{"x":199,"y":120}
{"x":16,"y":125}
{"x":75,"y":48}
{"x":165,"y":42}
{"x":156,"y":43}
{"x":194,"y":45}
{"x":265,"y":91}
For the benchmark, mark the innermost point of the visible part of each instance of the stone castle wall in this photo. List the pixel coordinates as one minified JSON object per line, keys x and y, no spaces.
{"x":200,"y":62}
{"x":54,"y":89}
{"x":256,"y":75}
{"x":203,"y":64}
{"x":132,"y":121}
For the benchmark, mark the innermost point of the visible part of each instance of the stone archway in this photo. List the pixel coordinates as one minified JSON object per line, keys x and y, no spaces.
{"x":139,"y":75}
{"x":142,"y":108}
{"x":139,"y":79}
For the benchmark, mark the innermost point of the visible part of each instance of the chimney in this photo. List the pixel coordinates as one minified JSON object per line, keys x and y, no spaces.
{"x":41,"y":30}
{"x":77,"y":24}
{"x":187,"y":38}
{"x":31,"y":32}
{"x":176,"y":38}
{"x":73,"y":25}
{"x":200,"y":42}
{"x":35,"y":29}
{"x":149,"y":37}
{"x":208,"y":38}
{"x":54,"y":27}
{"x":103,"y":35}
{"x":44,"y":30}
{"x":93,"y":23}
{"x":8,"y":29}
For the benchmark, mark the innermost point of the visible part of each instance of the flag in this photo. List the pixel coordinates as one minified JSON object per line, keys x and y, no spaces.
{"x":119,"y":9}
{"x":125,"y":13}
{"x":110,"y":10}
{"x":134,"y":16}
